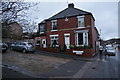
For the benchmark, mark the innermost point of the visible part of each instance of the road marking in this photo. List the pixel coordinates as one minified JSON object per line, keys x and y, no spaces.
{"x":80,"y":73}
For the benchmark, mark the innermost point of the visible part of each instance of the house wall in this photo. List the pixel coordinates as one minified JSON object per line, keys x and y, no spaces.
{"x":70,"y":26}
{"x":71,"y":23}
{"x":94,"y":39}
{"x":16,"y":29}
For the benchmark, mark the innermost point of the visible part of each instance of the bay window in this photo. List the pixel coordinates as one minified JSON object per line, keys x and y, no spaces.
{"x":82,"y":37}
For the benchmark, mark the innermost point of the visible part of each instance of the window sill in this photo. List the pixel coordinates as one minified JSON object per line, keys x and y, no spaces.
{"x":53,"y":30}
{"x":41,"y":32}
{"x":81,"y":27}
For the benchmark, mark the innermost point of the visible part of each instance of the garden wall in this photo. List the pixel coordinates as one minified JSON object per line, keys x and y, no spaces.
{"x":87,"y":52}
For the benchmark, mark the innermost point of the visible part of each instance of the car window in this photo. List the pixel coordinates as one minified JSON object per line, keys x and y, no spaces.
{"x":17,"y":44}
{"x":110,"y":48}
{"x":23,"y":44}
{"x":30,"y":44}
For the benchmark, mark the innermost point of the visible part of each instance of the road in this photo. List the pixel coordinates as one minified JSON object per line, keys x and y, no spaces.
{"x":102,"y":68}
{"x":77,"y":68}
{"x":9,"y":73}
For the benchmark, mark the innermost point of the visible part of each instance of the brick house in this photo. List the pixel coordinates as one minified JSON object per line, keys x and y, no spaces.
{"x":13,"y":32}
{"x":71,"y":27}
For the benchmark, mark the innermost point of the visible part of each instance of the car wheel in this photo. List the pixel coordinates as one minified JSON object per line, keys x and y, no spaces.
{"x":24,"y":51}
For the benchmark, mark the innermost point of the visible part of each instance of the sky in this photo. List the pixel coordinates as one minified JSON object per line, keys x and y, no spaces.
{"x":105,"y":14}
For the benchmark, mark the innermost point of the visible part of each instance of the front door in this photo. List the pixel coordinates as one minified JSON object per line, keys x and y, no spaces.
{"x":67,"y":40}
{"x":44,"y":43}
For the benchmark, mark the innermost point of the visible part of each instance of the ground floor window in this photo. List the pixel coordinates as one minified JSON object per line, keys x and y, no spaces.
{"x":82,"y":38}
{"x":54,"y":41}
{"x":37,"y":41}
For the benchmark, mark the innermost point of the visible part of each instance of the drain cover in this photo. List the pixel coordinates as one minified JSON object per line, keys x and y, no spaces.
{"x":93,"y":67}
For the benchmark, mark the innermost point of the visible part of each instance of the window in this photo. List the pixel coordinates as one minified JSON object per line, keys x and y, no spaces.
{"x":54,"y":40}
{"x":41,"y":29}
{"x":37,"y":41}
{"x":82,"y":38}
{"x":54,"y":24}
{"x":85,"y":38}
{"x":81,"y":21}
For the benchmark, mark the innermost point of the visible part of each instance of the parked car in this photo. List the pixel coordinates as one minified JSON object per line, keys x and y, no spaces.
{"x":110,"y":51}
{"x":24,"y":47}
{"x":3,"y":47}
{"x":12,"y":45}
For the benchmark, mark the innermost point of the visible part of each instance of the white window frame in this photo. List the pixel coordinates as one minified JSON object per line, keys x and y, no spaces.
{"x":85,"y":34}
{"x":79,"y":19}
{"x":52,"y":24}
{"x":40,"y":29}
{"x":54,"y":39}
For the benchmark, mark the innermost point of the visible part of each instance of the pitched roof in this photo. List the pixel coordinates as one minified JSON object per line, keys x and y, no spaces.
{"x":69,"y":12}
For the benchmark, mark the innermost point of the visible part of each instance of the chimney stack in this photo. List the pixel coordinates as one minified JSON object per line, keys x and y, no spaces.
{"x":71,"y":5}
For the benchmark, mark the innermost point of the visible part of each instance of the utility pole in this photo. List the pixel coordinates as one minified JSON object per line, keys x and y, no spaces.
{"x":100,"y":37}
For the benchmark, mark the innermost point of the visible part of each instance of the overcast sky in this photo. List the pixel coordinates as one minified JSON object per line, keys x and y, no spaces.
{"x":105,"y":14}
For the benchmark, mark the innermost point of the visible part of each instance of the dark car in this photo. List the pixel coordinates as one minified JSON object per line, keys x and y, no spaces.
{"x":3,"y":47}
{"x":24,"y":47}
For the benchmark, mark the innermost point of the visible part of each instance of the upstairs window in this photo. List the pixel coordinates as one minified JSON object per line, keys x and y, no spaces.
{"x":54,"y":24}
{"x":81,"y":22}
{"x":42,"y":29}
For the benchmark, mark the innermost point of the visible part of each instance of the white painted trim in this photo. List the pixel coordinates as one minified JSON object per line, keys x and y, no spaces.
{"x":82,"y":31}
{"x":76,"y":35}
{"x":54,"y":35}
{"x":44,"y":44}
{"x":80,"y":16}
{"x":68,"y":34}
{"x":41,"y":32}
{"x":53,"y":20}
{"x":53,"y":30}
{"x":81,"y":27}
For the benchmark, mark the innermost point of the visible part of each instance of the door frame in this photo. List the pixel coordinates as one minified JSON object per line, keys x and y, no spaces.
{"x":67,"y":34}
{"x":44,"y":44}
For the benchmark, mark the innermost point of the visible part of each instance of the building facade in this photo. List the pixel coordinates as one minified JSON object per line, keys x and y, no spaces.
{"x":73,"y":28}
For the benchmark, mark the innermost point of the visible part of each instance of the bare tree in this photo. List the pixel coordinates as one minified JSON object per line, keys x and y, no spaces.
{"x":16,"y":12}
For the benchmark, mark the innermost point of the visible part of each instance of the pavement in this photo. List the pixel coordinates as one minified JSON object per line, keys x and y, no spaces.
{"x":61,"y":55}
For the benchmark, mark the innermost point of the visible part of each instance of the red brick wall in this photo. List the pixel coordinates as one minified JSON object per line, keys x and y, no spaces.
{"x":94,"y":38}
{"x":72,"y":23}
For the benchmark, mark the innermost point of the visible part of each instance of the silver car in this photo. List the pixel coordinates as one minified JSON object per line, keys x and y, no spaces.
{"x":110,"y":51}
{"x":24,"y":47}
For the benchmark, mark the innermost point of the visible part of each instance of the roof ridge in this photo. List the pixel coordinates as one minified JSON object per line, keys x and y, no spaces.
{"x":58,"y":13}
{"x":69,"y":12}
{"x":82,"y":10}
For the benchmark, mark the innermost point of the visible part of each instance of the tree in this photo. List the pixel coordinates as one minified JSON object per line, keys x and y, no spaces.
{"x":15,"y":12}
